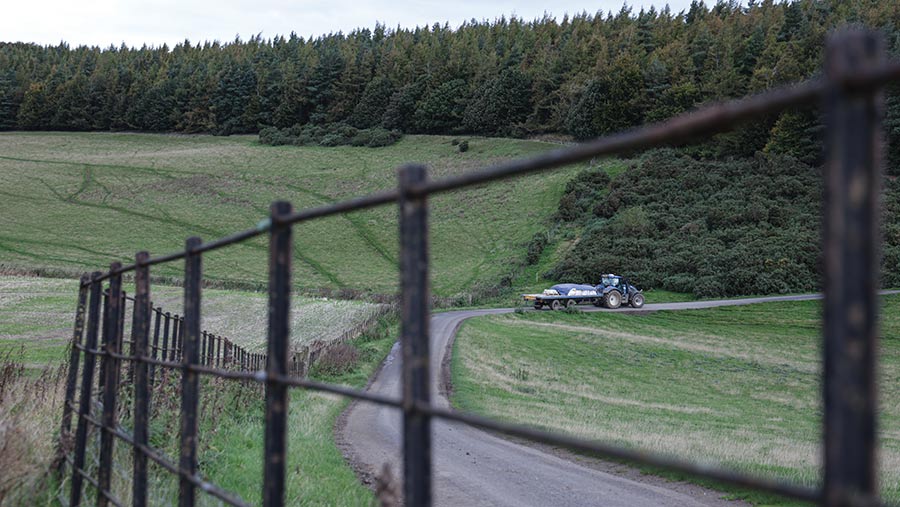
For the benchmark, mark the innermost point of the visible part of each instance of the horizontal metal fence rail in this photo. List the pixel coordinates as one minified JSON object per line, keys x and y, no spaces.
{"x":849,"y":93}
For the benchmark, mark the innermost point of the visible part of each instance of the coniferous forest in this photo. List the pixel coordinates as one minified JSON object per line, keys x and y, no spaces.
{"x":583,"y":75}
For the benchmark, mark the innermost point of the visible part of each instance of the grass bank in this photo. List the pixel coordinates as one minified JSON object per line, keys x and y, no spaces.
{"x":737,"y":386}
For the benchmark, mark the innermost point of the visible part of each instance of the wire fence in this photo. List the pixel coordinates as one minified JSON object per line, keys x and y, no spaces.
{"x":850,"y":94}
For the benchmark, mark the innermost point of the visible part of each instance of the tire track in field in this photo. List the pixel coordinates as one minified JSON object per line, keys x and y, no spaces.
{"x":362,"y":231}
{"x":167,"y":219}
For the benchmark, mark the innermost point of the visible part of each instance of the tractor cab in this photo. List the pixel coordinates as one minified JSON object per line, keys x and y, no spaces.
{"x":616,"y":291}
{"x":610,"y":281}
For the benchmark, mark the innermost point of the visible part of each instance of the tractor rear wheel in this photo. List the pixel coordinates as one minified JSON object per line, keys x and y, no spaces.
{"x":556,"y":304}
{"x":613,"y":299}
{"x":637,"y":300}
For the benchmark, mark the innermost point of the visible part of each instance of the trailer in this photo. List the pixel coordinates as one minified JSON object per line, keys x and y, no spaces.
{"x":612,"y":292}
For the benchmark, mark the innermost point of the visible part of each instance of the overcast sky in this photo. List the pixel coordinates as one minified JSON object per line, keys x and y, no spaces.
{"x":105,"y":22}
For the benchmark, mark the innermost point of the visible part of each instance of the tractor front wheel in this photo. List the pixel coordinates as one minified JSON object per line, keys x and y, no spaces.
{"x":556,"y":304}
{"x":613,"y":299}
{"x":637,"y":300}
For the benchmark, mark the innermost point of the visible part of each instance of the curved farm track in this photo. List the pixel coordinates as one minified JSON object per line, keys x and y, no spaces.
{"x":475,"y":468}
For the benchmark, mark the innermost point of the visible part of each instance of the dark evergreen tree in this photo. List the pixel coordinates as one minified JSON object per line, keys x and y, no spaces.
{"x":441,"y":109}
{"x":401,"y":109}
{"x":500,"y":104}
{"x":9,"y":103}
{"x":373,"y":103}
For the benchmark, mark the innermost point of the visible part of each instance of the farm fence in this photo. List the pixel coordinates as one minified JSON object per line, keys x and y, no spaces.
{"x":851,"y":97}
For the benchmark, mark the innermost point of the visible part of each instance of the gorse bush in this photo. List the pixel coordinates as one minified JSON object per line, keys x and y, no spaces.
{"x":335,"y":134}
{"x":582,"y":193}
{"x":709,"y":228}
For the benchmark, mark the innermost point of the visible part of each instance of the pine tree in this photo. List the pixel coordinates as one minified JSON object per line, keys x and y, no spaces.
{"x":9,"y":106}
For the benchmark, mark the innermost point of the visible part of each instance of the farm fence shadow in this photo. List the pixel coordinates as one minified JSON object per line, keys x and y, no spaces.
{"x":850,"y":93}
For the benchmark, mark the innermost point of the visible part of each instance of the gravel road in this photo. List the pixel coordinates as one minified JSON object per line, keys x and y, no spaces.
{"x":476,"y":468}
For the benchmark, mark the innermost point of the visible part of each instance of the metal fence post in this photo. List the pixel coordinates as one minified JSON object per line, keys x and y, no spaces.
{"x":280,"y":255}
{"x":190,"y":380}
{"x":112,"y":342}
{"x":87,"y":381}
{"x":154,"y":349}
{"x":175,"y":321}
{"x":104,"y":332}
{"x":72,"y":373}
{"x":140,"y":330}
{"x":414,"y":336}
{"x":851,"y":248}
{"x":204,"y":350}
{"x":165,"y":346}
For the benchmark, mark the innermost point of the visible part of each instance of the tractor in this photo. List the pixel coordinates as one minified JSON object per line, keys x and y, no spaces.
{"x":612,"y":292}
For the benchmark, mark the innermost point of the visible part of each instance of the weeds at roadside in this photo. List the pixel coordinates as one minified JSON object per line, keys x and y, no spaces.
{"x":30,"y":407}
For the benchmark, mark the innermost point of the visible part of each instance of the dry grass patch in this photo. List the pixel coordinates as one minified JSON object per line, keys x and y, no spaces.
{"x":30,"y":407}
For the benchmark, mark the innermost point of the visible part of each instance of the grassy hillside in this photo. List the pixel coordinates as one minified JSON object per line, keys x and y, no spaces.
{"x":738,"y":385}
{"x":76,"y":201}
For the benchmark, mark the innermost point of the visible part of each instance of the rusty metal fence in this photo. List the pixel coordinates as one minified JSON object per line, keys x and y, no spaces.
{"x":850,"y":95}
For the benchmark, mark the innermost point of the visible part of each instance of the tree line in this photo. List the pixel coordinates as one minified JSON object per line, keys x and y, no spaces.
{"x":583,"y":75}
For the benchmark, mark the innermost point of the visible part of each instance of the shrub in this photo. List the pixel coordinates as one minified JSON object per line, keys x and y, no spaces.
{"x":463,"y":146}
{"x":536,"y":248}
{"x":336,"y":359}
{"x":335,"y":134}
{"x":582,"y":194}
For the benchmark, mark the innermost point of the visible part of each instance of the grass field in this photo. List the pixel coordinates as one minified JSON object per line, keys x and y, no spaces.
{"x":76,"y":201}
{"x":737,"y":386}
{"x":35,"y":325}
{"x":37,"y":315}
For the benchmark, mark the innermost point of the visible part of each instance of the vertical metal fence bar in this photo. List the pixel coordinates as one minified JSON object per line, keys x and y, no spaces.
{"x":414,"y":335}
{"x":101,"y":377}
{"x":211,"y":349}
{"x":190,"y":381}
{"x":72,"y":373}
{"x":174,"y":351}
{"x":154,"y":349}
{"x":129,"y":365}
{"x":280,"y":255}
{"x":181,"y":338}
{"x":87,"y":381}
{"x":851,"y":248}
{"x":123,"y":307}
{"x":219,"y":351}
{"x":112,"y":342}
{"x":140,"y":330}
{"x":204,"y":355}
{"x":165,"y":345}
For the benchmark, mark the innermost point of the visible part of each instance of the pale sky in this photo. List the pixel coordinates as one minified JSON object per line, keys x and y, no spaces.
{"x":105,"y":22}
